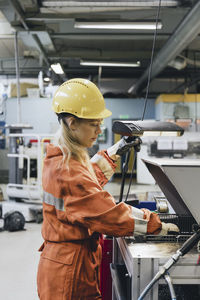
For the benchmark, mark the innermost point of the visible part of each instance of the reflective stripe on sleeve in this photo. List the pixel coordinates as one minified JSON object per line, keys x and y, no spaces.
{"x":140,"y":223}
{"x":140,"y":226}
{"x":103,"y":164}
{"x":137,"y":213}
{"x":58,"y":203}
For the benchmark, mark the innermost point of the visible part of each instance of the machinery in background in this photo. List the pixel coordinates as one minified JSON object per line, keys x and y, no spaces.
{"x":2,"y":135}
{"x":13,"y":221}
{"x":3,"y":98}
{"x":24,"y":190}
{"x":186,"y":147}
{"x":174,"y":148}
{"x":102,"y":137}
{"x":183,"y":109}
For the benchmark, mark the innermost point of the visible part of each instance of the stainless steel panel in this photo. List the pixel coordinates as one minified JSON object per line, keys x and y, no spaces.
{"x":179,"y":181}
{"x":143,"y":261}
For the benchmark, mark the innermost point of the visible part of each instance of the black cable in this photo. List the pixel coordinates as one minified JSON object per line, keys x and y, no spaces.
{"x":124,"y":170}
{"x":195,"y":68}
{"x":147,"y":90}
{"x":151,"y":61}
{"x":131,"y":177}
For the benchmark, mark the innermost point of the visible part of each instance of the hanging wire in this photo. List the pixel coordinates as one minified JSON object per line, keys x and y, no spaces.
{"x":147,"y":91}
{"x":151,"y":61}
{"x":131,"y":177}
{"x":196,"y":116}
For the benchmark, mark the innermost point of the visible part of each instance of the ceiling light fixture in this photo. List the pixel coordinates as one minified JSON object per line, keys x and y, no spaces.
{"x":46,"y":79}
{"x":109,"y":64}
{"x":118,"y":25}
{"x":140,"y":3}
{"x":57,"y":68}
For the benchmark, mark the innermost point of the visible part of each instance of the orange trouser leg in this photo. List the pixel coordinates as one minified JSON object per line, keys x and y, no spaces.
{"x":78,"y":281}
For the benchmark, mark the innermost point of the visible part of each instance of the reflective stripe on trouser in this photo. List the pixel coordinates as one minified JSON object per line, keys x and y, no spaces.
{"x":58,"y":203}
{"x":69,"y":271}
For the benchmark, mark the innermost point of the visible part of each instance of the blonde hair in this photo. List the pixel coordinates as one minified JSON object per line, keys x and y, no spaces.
{"x":71,"y":148}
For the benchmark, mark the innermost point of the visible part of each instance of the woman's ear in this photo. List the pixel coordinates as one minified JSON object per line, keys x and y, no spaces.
{"x":71,"y":122}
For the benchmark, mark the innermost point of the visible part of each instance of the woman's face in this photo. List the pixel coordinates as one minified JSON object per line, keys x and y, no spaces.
{"x":86,"y":131}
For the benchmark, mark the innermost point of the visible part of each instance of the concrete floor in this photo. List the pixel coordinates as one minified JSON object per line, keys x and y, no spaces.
{"x":19,"y":256}
{"x":18,"y":263}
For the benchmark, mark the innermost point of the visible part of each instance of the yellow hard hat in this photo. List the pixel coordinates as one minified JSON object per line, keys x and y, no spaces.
{"x":82,"y":98}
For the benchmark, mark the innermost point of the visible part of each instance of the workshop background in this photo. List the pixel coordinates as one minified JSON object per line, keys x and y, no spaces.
{"x":137,"y":53}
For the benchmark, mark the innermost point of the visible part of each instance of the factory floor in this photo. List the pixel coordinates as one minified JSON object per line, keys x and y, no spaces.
{"x":18,"y":250}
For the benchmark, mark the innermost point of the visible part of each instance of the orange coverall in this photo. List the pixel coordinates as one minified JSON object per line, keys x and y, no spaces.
{"x":76,"y":210}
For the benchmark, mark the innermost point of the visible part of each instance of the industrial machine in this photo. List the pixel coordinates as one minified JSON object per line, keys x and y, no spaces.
{"x":153,"y":267}
{"x":167,"y":265}
{"x":24,"y":190}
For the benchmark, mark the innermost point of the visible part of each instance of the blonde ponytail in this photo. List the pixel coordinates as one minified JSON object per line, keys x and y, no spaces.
{"x":71,"y":148}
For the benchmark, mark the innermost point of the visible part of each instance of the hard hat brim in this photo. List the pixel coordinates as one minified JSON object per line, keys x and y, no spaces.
{"x":102,"y":115}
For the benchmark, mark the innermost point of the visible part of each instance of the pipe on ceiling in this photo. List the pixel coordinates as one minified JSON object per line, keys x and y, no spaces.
{"x":188,"y":29}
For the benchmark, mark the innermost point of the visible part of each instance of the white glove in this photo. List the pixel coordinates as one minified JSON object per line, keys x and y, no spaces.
{"x":123,"y":146}
{"x":167,"y":228}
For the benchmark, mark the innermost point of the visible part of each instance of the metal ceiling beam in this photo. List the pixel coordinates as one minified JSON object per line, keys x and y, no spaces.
{"x":78,"y":36}
{"x":188,"y":29}
{"x":99,"y":54}
{"x":55,"y":16}
{"x":106,"y":72}
{"x":42,"y":50}
{"x":30,"y":5}
{"x":19,"y":12}
{"x":103,"y":36}
{"x":21,"y":16}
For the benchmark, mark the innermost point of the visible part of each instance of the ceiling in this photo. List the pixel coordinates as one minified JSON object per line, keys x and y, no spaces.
{"x":46,"y":35}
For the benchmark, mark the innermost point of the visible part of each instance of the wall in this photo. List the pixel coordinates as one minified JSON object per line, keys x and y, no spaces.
{"x":132,"y":108}
{"x":38,"y":113}
{"x":165,"y":110}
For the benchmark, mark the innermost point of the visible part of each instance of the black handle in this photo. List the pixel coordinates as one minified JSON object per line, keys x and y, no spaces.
{"x":188,"y":245}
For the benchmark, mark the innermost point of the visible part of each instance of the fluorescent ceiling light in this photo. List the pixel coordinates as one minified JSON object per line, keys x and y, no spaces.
{"x":101,"y":3}
{"x":109,"y":64}
{"x":57,"y":68}
{"x":146,"y":128}
{"x":46,"y":79}
{"x":119,"y":25}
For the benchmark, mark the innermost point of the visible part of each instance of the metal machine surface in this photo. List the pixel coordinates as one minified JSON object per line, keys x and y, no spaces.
{"x":179,"y":181}
{"x":136,"y":261}
{"x":141,"y":261}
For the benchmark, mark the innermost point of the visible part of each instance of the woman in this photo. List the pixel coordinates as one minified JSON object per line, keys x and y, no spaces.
{"x":76,"y":209}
